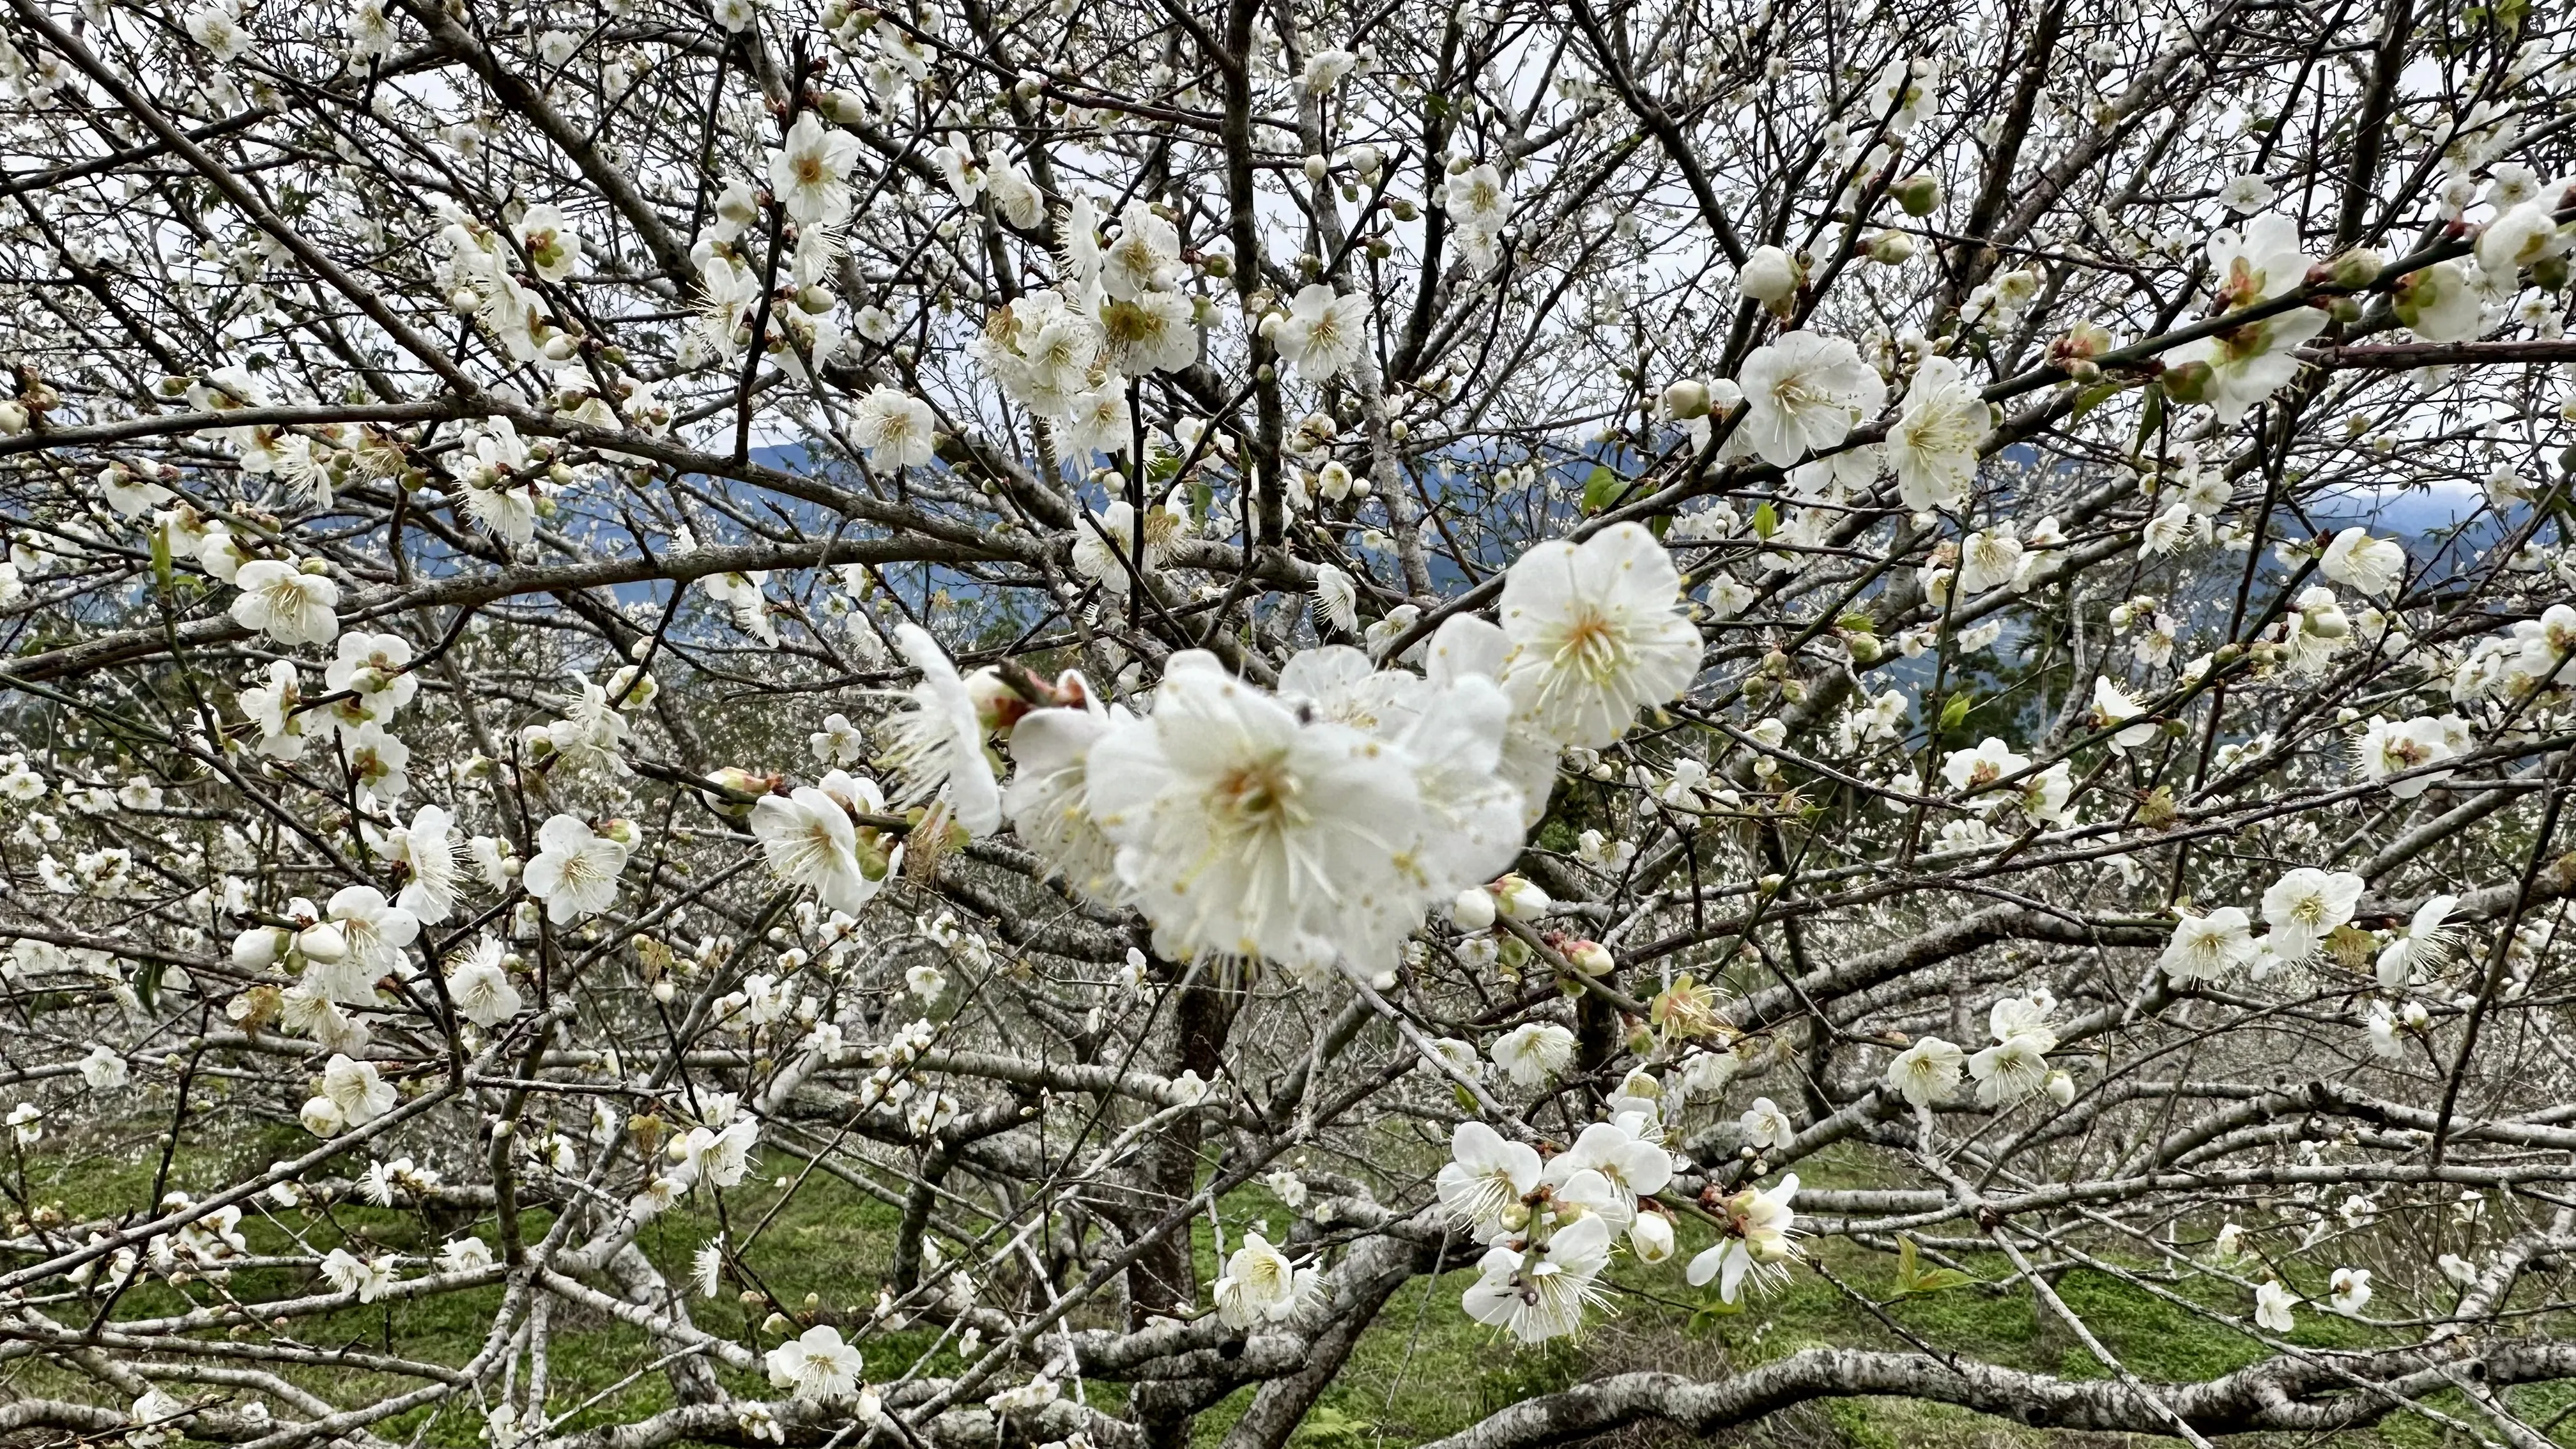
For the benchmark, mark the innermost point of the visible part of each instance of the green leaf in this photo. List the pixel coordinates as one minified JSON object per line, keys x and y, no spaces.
{"x":1711,"y":1309}
{"x":1162,"y":466}
{"x":161,"y":558}
{"x":1954,"y":710}
{"x":1602,"y":489}
{"x":1766,"y":521}
{"x":147,"y":982}
{"x":2087,"y":399}
{"x":1911,"y":1277}
{"x":1659,"y":525}
{"x":2150,"y":418}
{"x":1202,"y":498}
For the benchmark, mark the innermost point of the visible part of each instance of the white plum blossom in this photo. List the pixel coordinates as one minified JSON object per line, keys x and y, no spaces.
{"x":575,"y":870}
{"x":1322,"y":332}
{"x":286,"y":603}
{"x":811,"y":173}
{"x":2272,"y":1305}
{"x":1596,"y":634}
{"x":1542,"y":1292}
{"x":1259,"y":1285}
{"x":356,"y":1088}
{"x":1533,"y":1053}
{"x":2305,"y":905}
{"x":896,"y":429}
{"x":2358,"y":561}
{"x":2210,"y":947}
{"x":812,"y":842}
{"x":1766,"y":1127}
{"x":1939,"y":433}
{"x":1247,"y":831}
{"x":936,"y":745}
{"x":1758,"y":1241}
{"x":427,"y":849}
{"x":479,"y":984}
{"x":815,"y":1365}
{"x":1803,"y":392}
{"x":1486,"y":1177}
{"x":2422,"y":949}
{"x":1926,"y":1072}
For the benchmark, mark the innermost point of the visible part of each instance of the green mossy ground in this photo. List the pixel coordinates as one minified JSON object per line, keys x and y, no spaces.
{"x":1423,"y":1371}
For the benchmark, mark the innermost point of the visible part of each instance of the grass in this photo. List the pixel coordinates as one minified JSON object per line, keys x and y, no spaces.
{"x":1422,"y":1371}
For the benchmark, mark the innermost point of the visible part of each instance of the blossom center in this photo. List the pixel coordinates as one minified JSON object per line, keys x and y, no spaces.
{"x":1259,"y":796}
{"x":1593,"y":644}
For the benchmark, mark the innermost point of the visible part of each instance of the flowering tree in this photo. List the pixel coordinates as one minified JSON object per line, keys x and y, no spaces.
{"x":1487,"y":634}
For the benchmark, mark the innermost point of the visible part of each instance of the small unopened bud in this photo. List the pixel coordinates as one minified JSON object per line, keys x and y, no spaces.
{"x":1686,"y":399}
{"x":1590,"y":957}
{"x":1520,"y":898}
{"x":1891,"y":248}
{"x":1474,"y":909}
{"x":2189,"y":382}
{"x":324,"y":942}
{"x":1317,"y":168}
{"x":1919,"y":194}
{"x":1768,"y":275}
{"x":2354,"y":269}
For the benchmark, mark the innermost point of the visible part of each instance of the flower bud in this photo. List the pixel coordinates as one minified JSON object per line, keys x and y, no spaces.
{"x":2189,"y":382}
{"x":997,"y":705}
{"x":321,"y":1116}
{"x":1317,"y":168}
{"x":1768,"y":276}
{"x":324,"y":942}
{"x":1919,"y":194}
{"x":2060,"y":1088}
{"x":1686,"y":399}
{"x":1520,"y":898}
{"x":2354,"y":269}
{"x":1474,"y":909}
{"x":1590,"y":957}
{"x":1891,"y":248}
{"x":13,"y":418}
{"x":1651,"y":1237}
{"x":258,"y":948}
